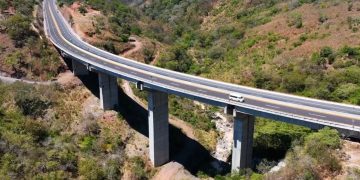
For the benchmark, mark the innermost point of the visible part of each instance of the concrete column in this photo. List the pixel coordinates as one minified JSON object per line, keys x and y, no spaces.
{"x":243,"y":141}
{"x":108,"y":91}
{"x":158,"y":127}
{"x":79,"y":69}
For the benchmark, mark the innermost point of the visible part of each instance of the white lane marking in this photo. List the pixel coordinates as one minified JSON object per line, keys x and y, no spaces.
{"x":200,"y":90}
{"x":317,"y":115}
{"x":175,"y":84}
{"x":260,"y":99}
{"x":276,"y":107}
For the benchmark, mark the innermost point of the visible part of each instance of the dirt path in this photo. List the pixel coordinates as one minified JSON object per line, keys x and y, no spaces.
{"x":10,"y":80}
{"x":5,"y":78}
{"x":137,"y":47}
{"x":65,"y":79}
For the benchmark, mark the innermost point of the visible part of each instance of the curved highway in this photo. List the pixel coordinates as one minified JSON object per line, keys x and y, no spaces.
{"x":328,"y":113}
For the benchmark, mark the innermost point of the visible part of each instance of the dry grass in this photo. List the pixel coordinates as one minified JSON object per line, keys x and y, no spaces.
{"x":207,"y":138}
{"x":334,"y":32}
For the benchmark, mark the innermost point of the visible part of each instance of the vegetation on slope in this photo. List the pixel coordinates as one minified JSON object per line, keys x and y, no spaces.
{"x":45,"y":135}
{"x":27,"y":55}
{"x":255,"y":43}
{"x":315,"y":156}
{"x":228,"y":44}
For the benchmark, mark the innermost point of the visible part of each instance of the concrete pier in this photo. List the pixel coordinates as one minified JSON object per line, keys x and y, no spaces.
{"x":108,"y":91}
{"x":79,"y":69}
{"x":243,"y":141}
{"x":158,"y":127}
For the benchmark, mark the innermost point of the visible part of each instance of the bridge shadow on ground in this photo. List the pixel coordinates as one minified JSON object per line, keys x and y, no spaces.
{"x":90,"y":81}
{"x":184,"y":150}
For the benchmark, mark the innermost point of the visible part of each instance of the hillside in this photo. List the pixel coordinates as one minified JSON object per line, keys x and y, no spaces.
{"x":308,"y":48}
{"x":304,"y":47}
{"x":23,"y":51}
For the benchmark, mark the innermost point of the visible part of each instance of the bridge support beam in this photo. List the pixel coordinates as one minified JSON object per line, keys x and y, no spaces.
{"x":243,"y":141}
{"x":108,"y":91}
{"x":79,"y":69}
{"x":229,"y":109}
{"x":158,"y":127}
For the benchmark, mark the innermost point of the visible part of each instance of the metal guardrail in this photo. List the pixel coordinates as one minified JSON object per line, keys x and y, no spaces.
{"x":204,"y":96}
{"x":204,"y":79}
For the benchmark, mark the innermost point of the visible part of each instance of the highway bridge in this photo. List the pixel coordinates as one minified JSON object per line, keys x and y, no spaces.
{"x":161,"y":82}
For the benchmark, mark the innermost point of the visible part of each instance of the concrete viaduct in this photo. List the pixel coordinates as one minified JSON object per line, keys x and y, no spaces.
{"x":159,"y":83}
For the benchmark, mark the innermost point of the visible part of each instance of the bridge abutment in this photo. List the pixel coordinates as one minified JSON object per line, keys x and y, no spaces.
{"x":243,"y":141}
{"x":108,"y":91}
{"x":158,"y":127}
{"x":79,"y":69}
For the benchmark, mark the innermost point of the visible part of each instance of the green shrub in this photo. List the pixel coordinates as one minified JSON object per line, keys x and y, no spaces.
{"x":82,"y":9}
{"x":149,"y":54}
{"x":89,"y":168}
{"x":18,"y":28}
{"x":112,"y":169}
{"x":110,"y":47}
{"x":350,"y":51}
{"x":321,"y":146}
{"x":272,"y":139}
{"x":138,"y":168}
{"x":323,"y":18}
{"x":32,"y":104}
{"x":294,"y":82}
{"x":350,"y":6}
{"x":295,"y":19}
{"x":216,"y":52}
{"x":87,"y":143}
{"x":345,"y":91}
{"x":325,"y":138}
{"x":3,"y":5}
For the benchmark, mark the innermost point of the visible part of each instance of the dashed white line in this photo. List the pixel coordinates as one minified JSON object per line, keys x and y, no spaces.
{"x":175,"y":84}
{"x":272,"y":106}
{"x":318,"y":115}
{"x":200,"y":90}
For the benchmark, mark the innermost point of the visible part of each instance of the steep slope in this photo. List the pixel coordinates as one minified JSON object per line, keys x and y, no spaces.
{"x":23,"y":51}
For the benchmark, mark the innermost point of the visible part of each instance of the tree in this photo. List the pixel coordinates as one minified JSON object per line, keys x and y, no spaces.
{"x":18,"y":28}
{"x":320,"y":146}
{"x":71,"y":20}
{"x":31,"y":104}
{"x":82,"y":9}
{"x":327,"y":52}
{"x":149,"y":54}
{"x":294,"y":82}
{"x":3,"y":5}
